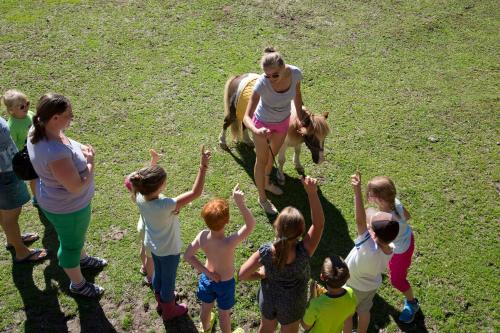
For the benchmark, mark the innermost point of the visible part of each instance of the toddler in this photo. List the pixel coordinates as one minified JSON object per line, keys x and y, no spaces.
{"x":162,"y":237}
{"x":328,"y":312}
{"x":20,"y":121}
{"x":382,"y":192}
{"x":217,"y":275}
{"x":369,"y":257}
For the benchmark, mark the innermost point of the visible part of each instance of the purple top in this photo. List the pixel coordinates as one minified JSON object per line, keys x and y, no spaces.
{"x":52,"y":196}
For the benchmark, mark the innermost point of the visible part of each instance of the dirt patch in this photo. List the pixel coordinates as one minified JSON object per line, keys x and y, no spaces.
{"x":115,"y":233}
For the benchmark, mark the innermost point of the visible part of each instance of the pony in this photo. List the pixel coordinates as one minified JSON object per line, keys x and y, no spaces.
{"x":312,"y":130}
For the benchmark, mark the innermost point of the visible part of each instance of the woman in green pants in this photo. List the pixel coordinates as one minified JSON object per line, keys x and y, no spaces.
{"x":65,"y":187}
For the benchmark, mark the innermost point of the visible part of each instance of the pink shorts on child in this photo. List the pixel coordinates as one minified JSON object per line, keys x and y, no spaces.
{"x":281,"y":127}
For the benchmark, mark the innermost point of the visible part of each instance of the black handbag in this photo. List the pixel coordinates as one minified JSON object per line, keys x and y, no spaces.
{"x":22,"y":166}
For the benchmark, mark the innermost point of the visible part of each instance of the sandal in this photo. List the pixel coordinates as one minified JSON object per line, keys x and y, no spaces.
{"x":27,"y":238}
{"x":93,"y":262}
{"x":142,"y":271}
{"x":147,"y":281}
{"x":34,"y":256}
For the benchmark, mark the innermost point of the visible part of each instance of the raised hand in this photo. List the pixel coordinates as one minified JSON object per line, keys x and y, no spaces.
{"x":89,"y":153}
{"x":205,"y":156}
{"x":238,"y":195}
{"x":310,"y":184}
{"x":356,"y":180}
{"x":155,"y":156}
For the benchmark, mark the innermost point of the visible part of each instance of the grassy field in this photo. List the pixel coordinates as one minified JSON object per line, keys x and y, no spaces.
{"x":412,"y":88}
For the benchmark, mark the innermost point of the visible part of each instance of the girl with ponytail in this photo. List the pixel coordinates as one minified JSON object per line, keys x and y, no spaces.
{"x":283,"y":266}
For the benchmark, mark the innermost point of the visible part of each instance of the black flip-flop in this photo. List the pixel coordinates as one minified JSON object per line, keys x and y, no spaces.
{"x":27,"y":238}
{"x":29,"y":257}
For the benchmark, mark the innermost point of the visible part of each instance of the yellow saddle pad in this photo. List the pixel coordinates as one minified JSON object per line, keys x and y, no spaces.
{"x":241,"y":104}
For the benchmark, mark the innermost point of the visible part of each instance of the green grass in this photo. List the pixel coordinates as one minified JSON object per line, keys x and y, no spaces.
{"x":151,"y":74}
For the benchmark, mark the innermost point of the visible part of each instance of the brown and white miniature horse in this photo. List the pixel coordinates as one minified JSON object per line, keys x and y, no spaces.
{"x":312,"y":130}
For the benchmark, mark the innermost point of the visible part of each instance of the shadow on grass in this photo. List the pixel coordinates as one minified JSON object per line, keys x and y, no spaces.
{"x":181,"y":324}
{"x":335,"y":240}
{"x":42,"y":308}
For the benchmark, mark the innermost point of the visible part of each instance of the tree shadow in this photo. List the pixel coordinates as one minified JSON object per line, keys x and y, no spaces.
{"x":335,"y":240}
{"x":42,"y":308}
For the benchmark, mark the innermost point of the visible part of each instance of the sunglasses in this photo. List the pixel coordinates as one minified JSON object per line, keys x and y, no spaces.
{"x":274,"y":76}
{"x":25,"y":106}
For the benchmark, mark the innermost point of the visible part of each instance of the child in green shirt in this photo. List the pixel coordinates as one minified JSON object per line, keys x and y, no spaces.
{"x":20,"y":121}
{"x":328,"y":312}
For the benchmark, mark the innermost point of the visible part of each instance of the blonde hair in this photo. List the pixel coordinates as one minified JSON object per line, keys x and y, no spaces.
{"x":271,"y":58}
{"x":216,"y":214}
{"x":147,"y":180}
{"x":383,"y":188}
{"x":12,"y":98}
{"x":289,"y":226}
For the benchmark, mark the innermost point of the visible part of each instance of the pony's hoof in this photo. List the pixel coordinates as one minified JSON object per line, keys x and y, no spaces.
{"x":223,"y":146}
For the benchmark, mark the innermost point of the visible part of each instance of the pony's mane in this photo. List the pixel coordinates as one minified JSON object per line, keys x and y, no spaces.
{"x":319,"y":125}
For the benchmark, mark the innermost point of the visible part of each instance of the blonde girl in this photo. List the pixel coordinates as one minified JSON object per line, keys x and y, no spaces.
{"x":283,"y":266}
{"x":382,"y":192}
{"x":268,"y":115}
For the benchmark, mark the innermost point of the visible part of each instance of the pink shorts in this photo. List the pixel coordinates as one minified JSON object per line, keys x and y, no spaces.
{"x":281,"y":127}
{"x":398,"y":267}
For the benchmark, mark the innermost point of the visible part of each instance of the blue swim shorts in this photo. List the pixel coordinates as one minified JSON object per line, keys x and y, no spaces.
{"x":209,"y":291}
{"x":13,"y":191}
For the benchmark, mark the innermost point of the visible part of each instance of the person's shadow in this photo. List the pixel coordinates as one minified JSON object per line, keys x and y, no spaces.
{"x":335,"y":239}
{"x":43,"y":312}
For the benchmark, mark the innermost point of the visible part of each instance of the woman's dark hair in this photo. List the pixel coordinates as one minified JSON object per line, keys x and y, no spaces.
{"x":48,"y":106}
{"x":289,"y":226}
{"x":147,"y":180}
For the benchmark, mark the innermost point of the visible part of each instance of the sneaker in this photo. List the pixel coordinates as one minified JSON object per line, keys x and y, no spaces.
{"x":274,"y":189}
{"x":410,"y":309}
{"x":93,"y":262}
{"x":268,"y":207}
{"x":87,"y":289}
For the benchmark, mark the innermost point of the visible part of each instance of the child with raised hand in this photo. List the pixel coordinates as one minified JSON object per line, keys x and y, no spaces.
{"x":328,"y":312}
{"x":147,"y":265}
{"x":19,"y":122}
{"x":162,"y":237}
{"x":217,"y":275}
{"x":382,"y":192}
{"x":286,"y":271}
{"x":369,"y":257}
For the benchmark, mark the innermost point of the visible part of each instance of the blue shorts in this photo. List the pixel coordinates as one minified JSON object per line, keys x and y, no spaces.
{"x":13,"y":191}
{"x":209,"y":291}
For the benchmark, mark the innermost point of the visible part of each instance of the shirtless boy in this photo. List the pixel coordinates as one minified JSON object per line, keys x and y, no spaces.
{"x":217,"y":275}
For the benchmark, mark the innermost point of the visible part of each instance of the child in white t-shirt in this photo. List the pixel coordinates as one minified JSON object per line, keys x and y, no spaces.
{"x":163,"y":238}
{"x":369,"y":257}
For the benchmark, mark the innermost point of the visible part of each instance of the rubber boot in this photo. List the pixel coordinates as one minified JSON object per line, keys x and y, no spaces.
{"x":158,"y":306}
{"x":171,"y":310}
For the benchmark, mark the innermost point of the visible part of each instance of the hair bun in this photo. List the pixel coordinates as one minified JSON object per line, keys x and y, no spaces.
{"x":269,"y":49}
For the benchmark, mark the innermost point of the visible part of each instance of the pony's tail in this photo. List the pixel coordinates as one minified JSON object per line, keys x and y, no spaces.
{"x":234,"y":123}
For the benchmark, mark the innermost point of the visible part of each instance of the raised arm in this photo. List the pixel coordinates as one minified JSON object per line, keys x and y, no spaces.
{"x":250,"y":269}
{"x":199,"y":182}
{"x":190,"y":257}
{"x":358,"y":203}
{"x":155,"y":157}
{"x":313,"y":236}
{"x":246,"y":230}
{"x":67,"y":175}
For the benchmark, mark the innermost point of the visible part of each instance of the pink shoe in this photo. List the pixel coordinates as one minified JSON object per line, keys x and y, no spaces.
{"x":171,"y":310}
